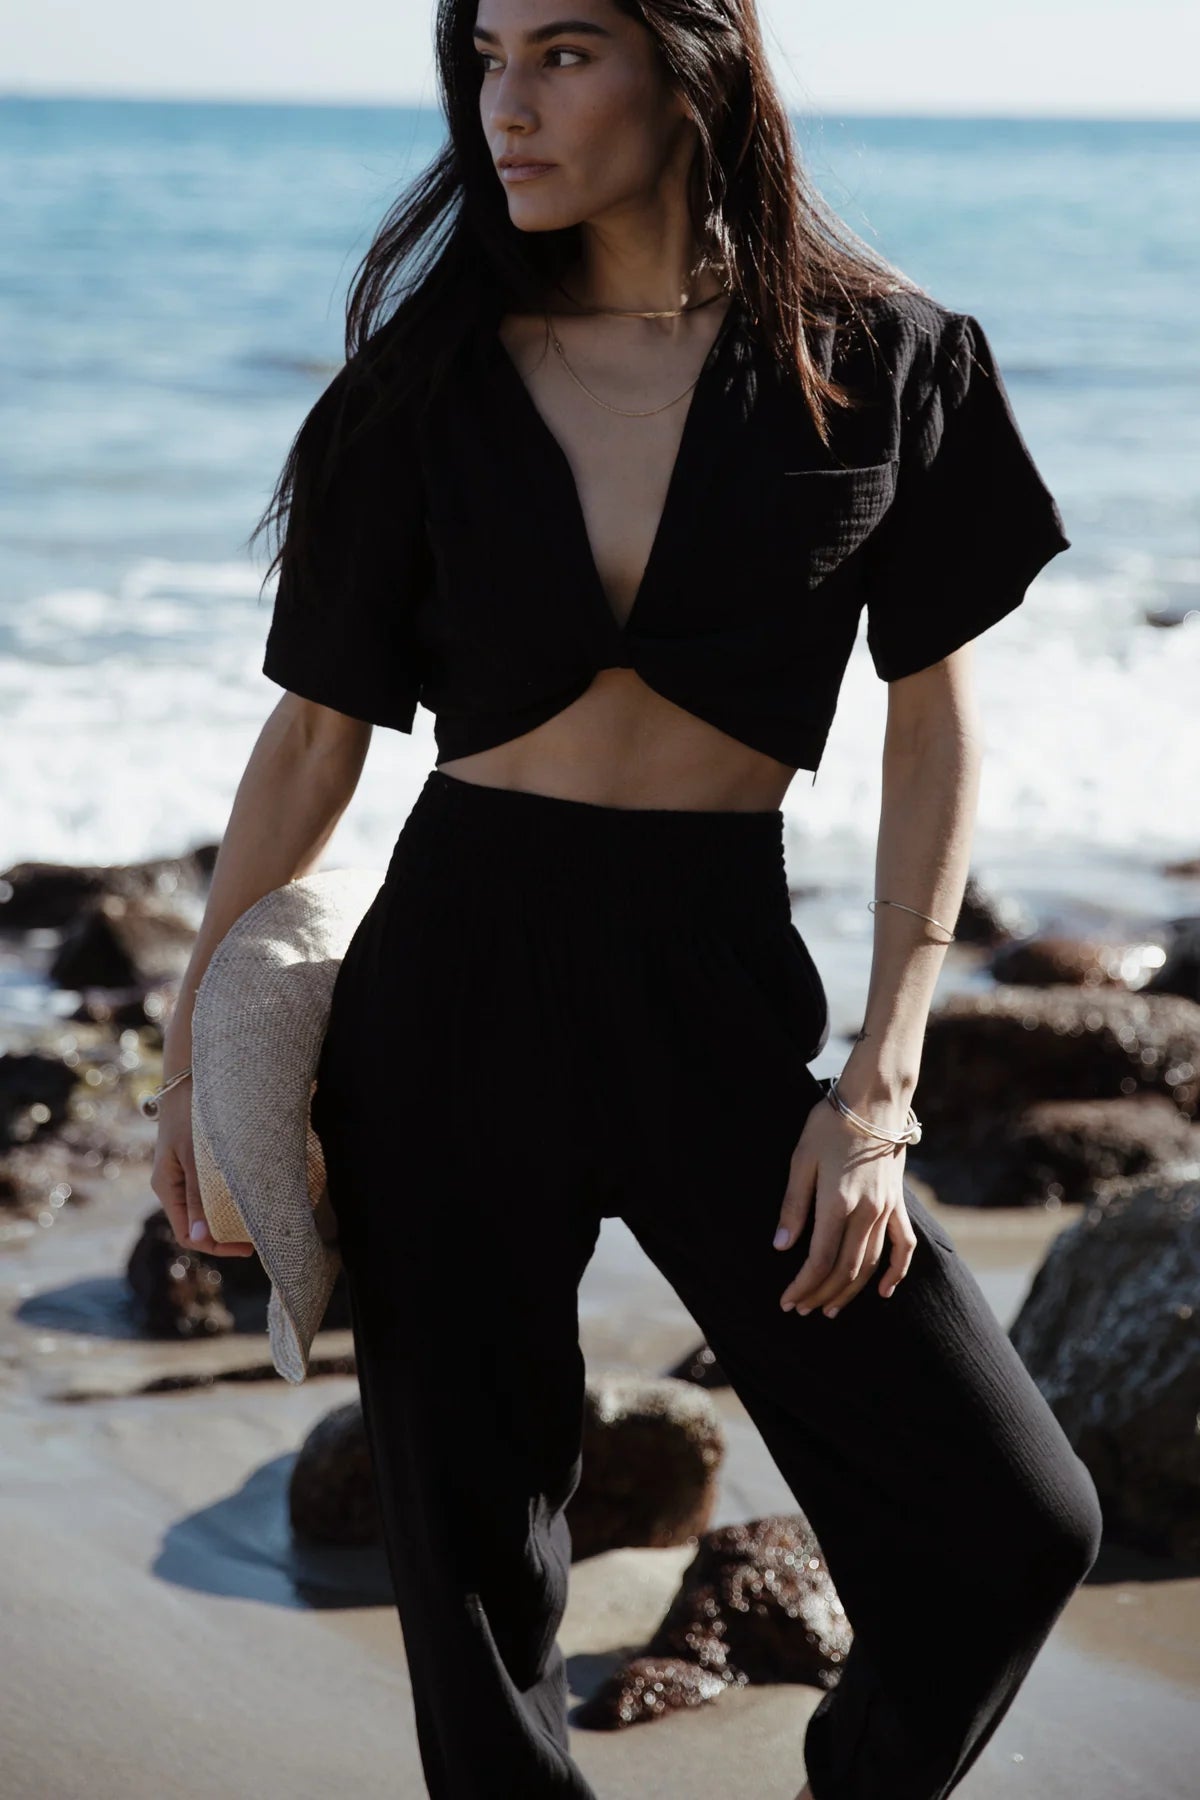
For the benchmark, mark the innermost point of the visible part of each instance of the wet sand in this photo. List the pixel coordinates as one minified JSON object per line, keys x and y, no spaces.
{"x":167,"y":1640}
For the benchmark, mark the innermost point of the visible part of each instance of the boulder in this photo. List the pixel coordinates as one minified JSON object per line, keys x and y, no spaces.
{"x":124,"y":944}
{"x":35,"y":1091}
{"x":650,"y":1687}
{"x":176,"y":1292}
{"x":48,"y":896}
{"x":1043,"y":961}
{"x":186,"y":1293}
{"x":331,"y":1495}
{"x":986,"y":920}
{"x":995,"y":1052}
{"x":1180,"y":972}
{"x":651,"y":1453}
{"x":756,"y":1604}
{"x":1053,"y":1152}
{"x":1110,"y":1331}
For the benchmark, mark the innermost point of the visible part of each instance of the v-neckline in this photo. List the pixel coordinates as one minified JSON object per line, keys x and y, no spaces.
{"x":682,"y":467}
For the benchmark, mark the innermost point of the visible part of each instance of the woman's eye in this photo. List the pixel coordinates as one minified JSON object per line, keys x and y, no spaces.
{"x":485,"y":56}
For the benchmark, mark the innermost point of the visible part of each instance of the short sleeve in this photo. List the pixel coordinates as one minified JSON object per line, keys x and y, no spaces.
{"x":342,"y":630}
{"x":972,"y":521}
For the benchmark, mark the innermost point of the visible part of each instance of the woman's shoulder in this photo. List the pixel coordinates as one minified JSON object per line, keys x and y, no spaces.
{"x":900,"y":346}
{"x":903,"y":338}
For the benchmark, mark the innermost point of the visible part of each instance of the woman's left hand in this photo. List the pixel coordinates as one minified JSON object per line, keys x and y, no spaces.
{"x":860,"y":1210}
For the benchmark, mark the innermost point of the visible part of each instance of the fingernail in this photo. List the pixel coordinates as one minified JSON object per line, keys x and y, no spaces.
{"x":803,"y":1311}
{"x":199,"y":1229}
{"x":781,"y":1237}
{"x":787,"y":1306}
{"x":831,"y":1312}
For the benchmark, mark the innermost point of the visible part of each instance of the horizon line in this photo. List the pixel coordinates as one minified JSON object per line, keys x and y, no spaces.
{"x":1044,"y":115}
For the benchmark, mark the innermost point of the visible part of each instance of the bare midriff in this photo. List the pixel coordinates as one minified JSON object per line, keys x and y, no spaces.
{"x":622,"y":744}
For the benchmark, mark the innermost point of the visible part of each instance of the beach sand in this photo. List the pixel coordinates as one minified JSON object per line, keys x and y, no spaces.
{"x":167,"y":1640}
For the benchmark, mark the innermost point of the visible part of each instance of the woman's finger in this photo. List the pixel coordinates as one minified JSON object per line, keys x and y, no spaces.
{"x":168,"y":1184}
{"x":853,"y":1265}
{"x":874,"y":1243}
{"x":202,"y":1238}
{"x":816,"y":1273}
{"x":903,"y":1241}
{"x":797,"y":1201}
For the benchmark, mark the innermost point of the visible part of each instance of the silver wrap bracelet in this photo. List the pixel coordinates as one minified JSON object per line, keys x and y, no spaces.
{"x":872,"y":904}
{"x":149,"y":1105}
{"x":910,"y":1135}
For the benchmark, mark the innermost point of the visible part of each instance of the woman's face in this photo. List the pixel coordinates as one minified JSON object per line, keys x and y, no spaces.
{"x":575,"y":87}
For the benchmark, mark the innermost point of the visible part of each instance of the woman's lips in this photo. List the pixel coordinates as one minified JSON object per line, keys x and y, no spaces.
{"x":525,"y":171}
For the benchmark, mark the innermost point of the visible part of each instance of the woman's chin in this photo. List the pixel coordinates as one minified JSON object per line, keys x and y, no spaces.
{"x":528,"y":214}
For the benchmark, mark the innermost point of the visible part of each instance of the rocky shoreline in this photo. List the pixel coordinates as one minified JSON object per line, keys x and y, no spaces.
{"x":1073,"y":1080}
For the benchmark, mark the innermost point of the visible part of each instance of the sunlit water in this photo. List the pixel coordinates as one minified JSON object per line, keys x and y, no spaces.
{"x":171,"y":302}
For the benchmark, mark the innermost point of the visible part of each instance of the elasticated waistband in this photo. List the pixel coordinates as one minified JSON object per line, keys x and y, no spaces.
{"x":638,"y":858}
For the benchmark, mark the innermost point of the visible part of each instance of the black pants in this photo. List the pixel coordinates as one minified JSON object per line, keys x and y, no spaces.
{"x":556,"y":1011}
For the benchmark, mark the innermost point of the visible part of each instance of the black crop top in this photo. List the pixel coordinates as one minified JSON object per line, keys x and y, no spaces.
{"x":455,"y":567}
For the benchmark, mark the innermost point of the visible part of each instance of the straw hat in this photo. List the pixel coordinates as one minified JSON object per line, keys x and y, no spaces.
{"x":258,"y":1022}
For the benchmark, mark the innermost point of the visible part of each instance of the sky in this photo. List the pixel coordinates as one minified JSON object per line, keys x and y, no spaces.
{"x":1099,"y":58}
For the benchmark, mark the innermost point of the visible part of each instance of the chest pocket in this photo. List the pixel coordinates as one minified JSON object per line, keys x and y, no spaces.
{"x":817,"y":518}
{"x":780,"y":533}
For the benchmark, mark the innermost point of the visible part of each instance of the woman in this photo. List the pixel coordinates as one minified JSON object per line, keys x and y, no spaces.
{"x":607,"y":492}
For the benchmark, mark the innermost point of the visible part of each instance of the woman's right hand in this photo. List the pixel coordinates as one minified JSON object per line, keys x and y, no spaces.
{"x":173,"y":1177}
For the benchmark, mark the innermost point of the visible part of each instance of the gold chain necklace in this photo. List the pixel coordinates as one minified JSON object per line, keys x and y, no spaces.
{"x":618,"y":312}
{"x":624,"y":411}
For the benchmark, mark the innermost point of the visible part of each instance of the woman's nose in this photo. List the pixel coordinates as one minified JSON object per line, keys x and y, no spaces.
{"x":509,"y":102}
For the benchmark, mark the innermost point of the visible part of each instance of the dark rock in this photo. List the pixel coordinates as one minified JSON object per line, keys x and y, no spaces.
{"x":651,"y":1453}
{"x":68,"y":1117}
{"x":176,"y":1292}
{"x":39,"y":896}
{"x":188,"y":1293}
{"x":1053,"y":1152}
{"x":758,"y":1600}
{"x":124,"y":944}
{"x":331,"y":1496}
{"x":1042,"y":961}
{"x":700,"y":1366}
{"x":1190,"y":865}
{"x":37,"y":1180}
{"x":1175,"y":613}
{"x":996,"y":1052}
{"x":1180,"y":972}
{"x":35,"y":1090}
{"x":133,"y":1008}
{"x":1110,"y":1331}
{"x":756,"y":1604}
{"x":651,"y":1450}
{"x":983,"y":919}
{"x":648,"y":1688}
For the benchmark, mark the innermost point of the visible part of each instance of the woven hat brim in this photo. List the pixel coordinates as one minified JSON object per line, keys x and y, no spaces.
{"x":258,"y":1023}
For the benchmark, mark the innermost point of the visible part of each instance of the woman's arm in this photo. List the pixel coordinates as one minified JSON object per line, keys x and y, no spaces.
{"x":299,"y":780}
{"x":930,"y":792}
{"x":931,"y":763}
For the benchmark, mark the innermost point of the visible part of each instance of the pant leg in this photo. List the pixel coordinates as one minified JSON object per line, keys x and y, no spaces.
{"x":955,"y":1518}
{"x":465,"y":1221}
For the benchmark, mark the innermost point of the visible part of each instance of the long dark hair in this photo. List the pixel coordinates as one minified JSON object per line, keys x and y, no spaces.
{"x":446,"y":258}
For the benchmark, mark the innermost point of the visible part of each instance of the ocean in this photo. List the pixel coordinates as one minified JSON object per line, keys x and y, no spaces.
{"x":171,"y":302}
